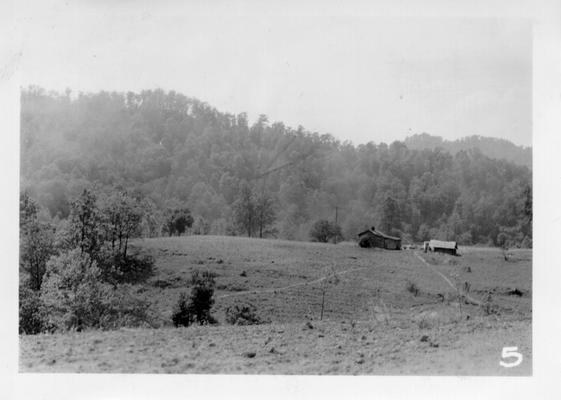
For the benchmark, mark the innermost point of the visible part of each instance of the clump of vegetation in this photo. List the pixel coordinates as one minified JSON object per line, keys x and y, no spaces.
{"x":78,"y":275}
{"x":177,"y":221}
{"x":412,"y":288}
{"x":76,"y":297}
{"x":182,"y":313}
{"x":125,"y":309}
{"x":36,"y":243}
{"x":488,"y":306}
{"x":134,"y":268}
{"x":202,"y":296}
{"x":32,"y":313}
{"x":196,"y":307}
{"x":243,"y":314}
{"x":324,"y":231}
{"x":254,"y":211}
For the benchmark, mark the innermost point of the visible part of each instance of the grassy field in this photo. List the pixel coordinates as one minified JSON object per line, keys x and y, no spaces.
{"x":372,"y":323}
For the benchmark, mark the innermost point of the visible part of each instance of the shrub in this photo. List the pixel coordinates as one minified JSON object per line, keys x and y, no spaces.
{"x":182,"y":313}
{"x":197,"y":307}
{"x":72,"y":291}
{"x":76,"y":297}
{"x":412,"y":288}
{"x":243,"y":314}
{"x":177,"y":221}
{"x":134,"y":268}
{"x":201,"y":299}
{"x":36,"y":247}
{"x":488,"y":306}
{"x":323,"y":231}
{"x":125,"y":309}
{"x":32,"y":315}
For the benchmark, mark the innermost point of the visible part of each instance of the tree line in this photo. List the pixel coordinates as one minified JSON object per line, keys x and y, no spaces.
{"x":171,"y":152}
{"x":80,"y":273}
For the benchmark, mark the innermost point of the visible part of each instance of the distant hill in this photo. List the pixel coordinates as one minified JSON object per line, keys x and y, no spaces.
{"x":491,"y":147}
{"x":176,"y":151}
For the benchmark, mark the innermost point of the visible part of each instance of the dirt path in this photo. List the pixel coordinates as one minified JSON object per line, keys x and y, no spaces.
{"x":313,"y":282}
{"x":448,"y":281}
{"x":271,"y":290}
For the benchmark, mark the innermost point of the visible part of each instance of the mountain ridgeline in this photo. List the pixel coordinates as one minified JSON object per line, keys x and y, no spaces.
{"x":267,"y":179}
{"x":491,"y":147}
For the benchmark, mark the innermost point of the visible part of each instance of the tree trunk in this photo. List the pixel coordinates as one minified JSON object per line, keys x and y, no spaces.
{"x":126,"y":245}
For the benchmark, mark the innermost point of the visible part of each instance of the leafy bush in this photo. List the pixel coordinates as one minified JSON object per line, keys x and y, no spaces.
{"x":32,"y":314}
{"x":177,"y":221}
{"x":36,"y":247}
{"x":134,"y":268}
{"x":72,"y":291}
{"x":197,"y":306}
{"x":36,"y":242}
{"x":125,"y":309}
{"x":182,"y":313}
{"x":243,"y":314}
{"x":76,"y":297}
{"x":323,"y":231}
{"x":201,"y":299}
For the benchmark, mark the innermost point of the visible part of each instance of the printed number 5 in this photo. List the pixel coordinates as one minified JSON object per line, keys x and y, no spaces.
{"x":511,"y":352}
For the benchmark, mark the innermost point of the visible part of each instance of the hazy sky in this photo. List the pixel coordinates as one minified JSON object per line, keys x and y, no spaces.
{"x":358,"y":78}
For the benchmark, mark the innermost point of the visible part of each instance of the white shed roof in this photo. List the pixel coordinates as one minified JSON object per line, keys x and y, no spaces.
{"x":442,"y":244}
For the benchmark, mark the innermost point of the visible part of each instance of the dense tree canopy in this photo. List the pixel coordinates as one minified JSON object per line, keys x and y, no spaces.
{"x":174,"y":151}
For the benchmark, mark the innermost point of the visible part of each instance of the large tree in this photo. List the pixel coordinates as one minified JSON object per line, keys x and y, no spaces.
{"x":122,"y":215}
{"x":391,"y":216}
{"x":36,"y":242}
{"x":245,"y":215}
{"x":264,"y":212}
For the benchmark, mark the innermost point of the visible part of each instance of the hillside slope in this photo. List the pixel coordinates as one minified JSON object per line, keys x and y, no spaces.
{"x":373,"y":322}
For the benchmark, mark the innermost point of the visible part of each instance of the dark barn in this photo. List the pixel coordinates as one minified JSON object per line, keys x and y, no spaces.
{"x":374,"y":238}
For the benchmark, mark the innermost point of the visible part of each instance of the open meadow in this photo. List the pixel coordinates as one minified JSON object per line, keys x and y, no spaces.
{"x":387,"y":312}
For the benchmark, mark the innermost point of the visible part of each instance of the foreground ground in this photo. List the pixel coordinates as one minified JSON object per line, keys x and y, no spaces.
{"x":471,"y":348}
{"x":372,"y":323}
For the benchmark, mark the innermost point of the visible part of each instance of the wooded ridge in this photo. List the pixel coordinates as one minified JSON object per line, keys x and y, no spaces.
{"x":177,"y":152}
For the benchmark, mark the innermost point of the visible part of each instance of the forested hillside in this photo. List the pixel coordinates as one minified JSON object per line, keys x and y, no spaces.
{"x":491,"y":147}
{"x":261,"y":179}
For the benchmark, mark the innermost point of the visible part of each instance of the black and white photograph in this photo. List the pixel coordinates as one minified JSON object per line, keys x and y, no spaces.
{"x":236,"y":189}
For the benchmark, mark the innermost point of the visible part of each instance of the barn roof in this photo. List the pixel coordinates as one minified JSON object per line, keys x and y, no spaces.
{"x":442,"y":244}
{"x":378,"y":233}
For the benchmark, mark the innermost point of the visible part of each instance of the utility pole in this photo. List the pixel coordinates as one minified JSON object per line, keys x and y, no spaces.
{"x":336,"y":213}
